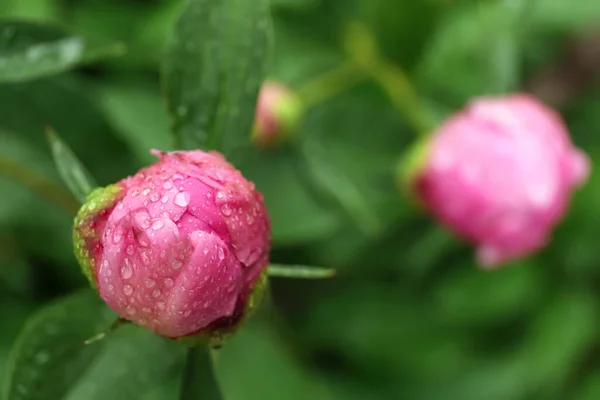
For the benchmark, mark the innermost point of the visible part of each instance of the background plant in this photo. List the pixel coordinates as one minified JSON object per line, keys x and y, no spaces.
{"x":410,"y":317}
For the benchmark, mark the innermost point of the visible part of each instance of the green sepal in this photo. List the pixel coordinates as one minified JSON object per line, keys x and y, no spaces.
{"x":84,"y":235}
{"x":411,"y":164}
{"x":216,"y":338}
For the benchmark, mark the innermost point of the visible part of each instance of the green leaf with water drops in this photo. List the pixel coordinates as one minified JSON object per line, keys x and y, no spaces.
{"x":131,"y":361}
{"x":300,"y":271}
{"x":213,"y":70}
{"x":32,"y":50}
{"x":49,"y":355}
{"x":74,"y":174}
{"x":199,"y":381}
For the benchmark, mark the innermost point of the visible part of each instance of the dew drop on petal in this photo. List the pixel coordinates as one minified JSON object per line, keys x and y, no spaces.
{"x":164,"y":199}
{"x":130,"y":250}
{"x":154,"y":197}
{"x":146,"y":191}
{"x":182,"y":199}
{"x":156,"y":293}
{"x":126,"y":270}
{"x":150,"y":283}
{"x":167,"y":185}
{"x":221,"y":253}
{"x":117,"y":236}
{"x":131,"y":310}
{"x":169,"y":282}
{"x":127,"y":290}
{"x":146,"y":310}
{"x":226,"y":210}
{"x":158,"y":224}
{"x":205,"y":251}
{"x":187,"y":313}
{"x":161,"y":305}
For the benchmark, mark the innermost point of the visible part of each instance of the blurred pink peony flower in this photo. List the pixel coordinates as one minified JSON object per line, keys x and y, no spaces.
{"x":277,"y":112}
{"x":500,"y":174}
{"x":178,"y":247}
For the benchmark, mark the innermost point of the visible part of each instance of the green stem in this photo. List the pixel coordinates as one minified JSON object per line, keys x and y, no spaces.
{"x":39,"y":184}
{"x":402,"y":93}
{"x":330,"y":84}
{"x":362,"y":48}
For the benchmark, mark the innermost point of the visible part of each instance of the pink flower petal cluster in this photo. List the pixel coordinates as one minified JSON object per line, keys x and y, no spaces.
{"x":500,"y":174}
{"x":178,"y":246}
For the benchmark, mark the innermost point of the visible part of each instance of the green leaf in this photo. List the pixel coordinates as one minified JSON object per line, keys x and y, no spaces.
{"x":74,"y":174}
{"x":30,"y":50}
{"x":300,"y":271}
{"x":136,"y":109}
{"x":198,"y":378}
{"x":213,"y":70}
{"x":49,"y":355}
{"x":488,"y":37}
{"x":131,"y":362}
{"x":257,"y":363}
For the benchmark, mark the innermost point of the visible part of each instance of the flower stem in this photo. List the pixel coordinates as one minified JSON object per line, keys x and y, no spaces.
{"x":330,"y":84}
{"x":362,"y":47}
{"x":39,"y":184}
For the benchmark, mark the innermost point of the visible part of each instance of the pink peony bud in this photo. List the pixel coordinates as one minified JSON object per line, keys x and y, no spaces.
{"x":277,"y":113}
{"x":179,"y":246}
{"x":500,"y":174}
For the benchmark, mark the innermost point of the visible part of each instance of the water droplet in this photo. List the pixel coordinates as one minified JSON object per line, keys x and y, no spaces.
{"x":221,"y":253}
{"x":147,"y":310}
{"x":182,"y":199}
{"x":164,"y":199}
{"x":169,"y":282}
{"x":220,"y":195}
{"x":182,"y":110}
{"x":117,"y":236}
{"x":156,"y":225}
{"x":126,"y":270}
{"x":161,"y":305}
{"x":142,"y":321}
{"x":142,"y":219}
{"x":154,"y":197}
{"x":167,"y":185}
{"x":145,"y":258}
{"x":208,"y":195}
{"x":131,"y":310}
{"x":177,"y":264}
{"x":156,"y":293}
{"x":205,"y":251}
{"x":130,"y":250}
{"x":111,"y":288}
{"x":226,"y":210}
{"x":249,"y":219}
{"x":120,"y":206}
{"x":187,"y":313}
{"x":128,"y":290}
{"x":42,"y":357}
{"x":163,"y":253}
{"x":146,"y":191}
{"x":150,"y":282}
{"x":206,"y":304}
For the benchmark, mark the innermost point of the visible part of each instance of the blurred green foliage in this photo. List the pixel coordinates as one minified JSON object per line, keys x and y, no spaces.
{"x":411,"y":316}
